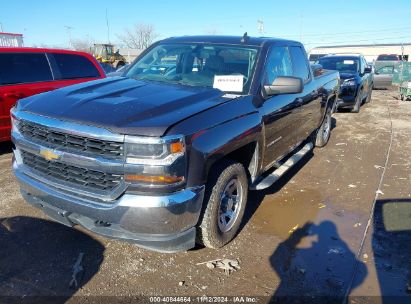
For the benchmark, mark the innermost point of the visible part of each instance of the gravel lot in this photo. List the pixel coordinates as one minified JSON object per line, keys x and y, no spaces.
{"x":305,"y":236}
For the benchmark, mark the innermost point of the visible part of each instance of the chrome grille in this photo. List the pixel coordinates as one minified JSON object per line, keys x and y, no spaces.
{"x":56,"y":139}
{"x":76,"y":176}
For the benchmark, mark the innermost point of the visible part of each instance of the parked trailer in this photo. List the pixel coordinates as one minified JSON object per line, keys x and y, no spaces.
{"x":11,"y":39}
{"x":369,"y":51}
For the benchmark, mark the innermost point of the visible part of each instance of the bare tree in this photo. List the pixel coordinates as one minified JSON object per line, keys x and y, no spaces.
{"x":212,"y":31}
{"x":48,"y":46}
{"x":141,"y":36}
{"x":85,"y":44}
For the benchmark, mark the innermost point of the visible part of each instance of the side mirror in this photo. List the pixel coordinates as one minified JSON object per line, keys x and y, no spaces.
{"x":317,"y":69}
{"x":283,"y":85}
{"x":367,"y":70}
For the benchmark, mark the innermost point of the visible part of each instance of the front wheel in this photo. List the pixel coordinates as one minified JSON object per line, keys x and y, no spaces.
{"x":224,"y":204}
{"x":357,"y":105}
{"x":324,"y":131}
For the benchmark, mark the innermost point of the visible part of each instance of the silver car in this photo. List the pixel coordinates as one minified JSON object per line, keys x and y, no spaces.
{"x":383,"y":75}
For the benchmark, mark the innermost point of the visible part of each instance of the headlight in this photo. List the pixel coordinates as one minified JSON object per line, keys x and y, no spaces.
{"x":348,"y":83}
{"x":154,"y":151}
{"x":14,"y":124}
{"x":155,"y":161}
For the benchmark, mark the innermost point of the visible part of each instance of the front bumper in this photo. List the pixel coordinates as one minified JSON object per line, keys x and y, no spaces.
{"x":162,"y":223}
{"x":347,"y":97}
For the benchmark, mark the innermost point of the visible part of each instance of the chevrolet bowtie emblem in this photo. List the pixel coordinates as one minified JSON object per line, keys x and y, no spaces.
{"x":49,"y":154}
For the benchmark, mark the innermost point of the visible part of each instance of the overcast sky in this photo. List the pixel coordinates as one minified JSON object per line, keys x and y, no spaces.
{"x":313,"y":22}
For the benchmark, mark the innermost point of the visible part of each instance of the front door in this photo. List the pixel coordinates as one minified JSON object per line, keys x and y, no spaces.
{"x":280,"y":112}
{"x":310,"y":114}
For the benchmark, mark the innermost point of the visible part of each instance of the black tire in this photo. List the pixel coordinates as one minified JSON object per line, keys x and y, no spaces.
{"x":357,"y":105}
{"x":324,"y":131}
{"x":222,"y":174}
{"x":368,"y":99}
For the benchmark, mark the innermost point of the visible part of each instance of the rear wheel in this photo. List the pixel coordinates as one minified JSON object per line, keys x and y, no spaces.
{"x":324,"y":131}
{"x":224,"y":204}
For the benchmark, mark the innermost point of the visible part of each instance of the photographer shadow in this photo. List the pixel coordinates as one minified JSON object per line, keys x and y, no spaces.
{"x":315,"y":265}
{"x":44,"y":261}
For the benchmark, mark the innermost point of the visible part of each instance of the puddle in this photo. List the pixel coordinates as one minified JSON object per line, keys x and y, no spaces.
{"x":319,"y":242}
{"x":281,"y":213}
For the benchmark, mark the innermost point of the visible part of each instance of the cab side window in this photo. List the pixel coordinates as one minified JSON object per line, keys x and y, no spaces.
{"x":300,"y":65}
{"x":72,"y":66}
{"x":18,"y":68}
{"x":278,"y":63}
{"x":387,"y":70}
{"x":362,"y":65}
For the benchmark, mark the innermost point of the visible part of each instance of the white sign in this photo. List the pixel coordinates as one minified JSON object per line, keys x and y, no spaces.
{"x":348,"y":61}
{"x":229,"y":83}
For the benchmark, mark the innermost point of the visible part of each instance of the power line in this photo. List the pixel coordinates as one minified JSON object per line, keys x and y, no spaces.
{"x":362,"y":40}
{"x":350,"y":33}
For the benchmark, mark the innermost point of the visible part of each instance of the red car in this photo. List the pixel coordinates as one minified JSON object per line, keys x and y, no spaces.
{"x":28,"y":71}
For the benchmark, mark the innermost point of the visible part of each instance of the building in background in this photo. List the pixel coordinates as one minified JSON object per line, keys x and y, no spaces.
{"x":130,"y":54}
{"x":11,"y":40}
{"x":370,"y":51}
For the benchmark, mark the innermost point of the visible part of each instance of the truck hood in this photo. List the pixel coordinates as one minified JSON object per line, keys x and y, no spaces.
{"x":347,"y":75}
{"x":124,"y":105}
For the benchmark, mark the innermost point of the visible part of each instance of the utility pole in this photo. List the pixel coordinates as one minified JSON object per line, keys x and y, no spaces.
{"x":68,"y":29}
{"x":260,"y":26}
{"x":1,"y":27}
{"x":108,"y":27}
{"x":301,"y":27}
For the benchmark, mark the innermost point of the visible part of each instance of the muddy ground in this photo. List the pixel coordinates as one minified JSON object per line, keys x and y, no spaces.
{"x":313,"y":234}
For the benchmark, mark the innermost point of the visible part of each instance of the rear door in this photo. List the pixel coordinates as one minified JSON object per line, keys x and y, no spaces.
{"x":70,"y":69}
{"x":21,"y":75}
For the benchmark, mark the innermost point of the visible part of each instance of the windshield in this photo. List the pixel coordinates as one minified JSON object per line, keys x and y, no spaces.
{"x":228,"y":68}
{"x":98,"y":50}
{"x":341,"y":64}
{"x":387,"y":58}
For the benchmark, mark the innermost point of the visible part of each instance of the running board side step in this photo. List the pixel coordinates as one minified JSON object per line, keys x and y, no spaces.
{"x":280,"y":171}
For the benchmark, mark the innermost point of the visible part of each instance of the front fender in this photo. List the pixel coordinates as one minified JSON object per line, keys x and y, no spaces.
{"x":216,"y":133}
{"x":217,"y":142}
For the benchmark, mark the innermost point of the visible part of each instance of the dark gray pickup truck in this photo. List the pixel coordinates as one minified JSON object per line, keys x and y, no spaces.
{"x":165,"y":156}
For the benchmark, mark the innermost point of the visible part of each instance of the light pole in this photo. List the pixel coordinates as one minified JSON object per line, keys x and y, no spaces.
{"x":260,"y":26}
{"x":108,"y":27}
{"x":68,"y":29}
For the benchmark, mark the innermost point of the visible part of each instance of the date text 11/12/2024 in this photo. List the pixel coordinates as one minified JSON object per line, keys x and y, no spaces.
{"x":203,"y":299}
